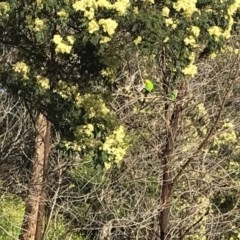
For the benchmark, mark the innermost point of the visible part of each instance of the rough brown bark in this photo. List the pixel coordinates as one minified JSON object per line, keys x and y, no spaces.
{"x":42,"y":204}
{"x":35,"y":191}
{"x":173,"y":116}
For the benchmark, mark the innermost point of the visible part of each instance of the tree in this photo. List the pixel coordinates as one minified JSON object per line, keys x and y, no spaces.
{"x":69,"y":57}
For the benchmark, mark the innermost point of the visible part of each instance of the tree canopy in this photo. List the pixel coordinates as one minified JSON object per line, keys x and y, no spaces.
{"x":86,"y":66}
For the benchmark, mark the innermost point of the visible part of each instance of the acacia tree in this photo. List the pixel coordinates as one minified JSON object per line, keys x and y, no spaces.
{"x":69,"y":54}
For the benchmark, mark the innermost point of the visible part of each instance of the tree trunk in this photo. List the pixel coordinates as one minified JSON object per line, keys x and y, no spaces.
{"x":31,"y":226}
{"x":42,"y":206}
{"x":166,"y":193}
{"x":173,"y":118}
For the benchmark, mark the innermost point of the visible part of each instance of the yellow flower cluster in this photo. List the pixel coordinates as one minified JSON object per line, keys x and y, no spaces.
{"x":62,"y":14}
{"x":38,"y":24}
{"x":104,"y":39}
{"x":21,"y":68}
{"x":107,"y":72}
{"x":195,"y":31}
{"x":89,"y":14}
{"x":170,"y":22}
{"x":188,"y":7}
{"x":43,"y":82}
{"x":73,"y":145}
{"x":65,"y":90}
{"x":165,"y":11}
{"x":216,"y":32}
{"x":4,"y":9}
{"x":190,"y":40}
{"x":93,"y":104}
{"x":120,"y":6}
{"x":40,"y":3}
{"x":84,"y":130}
{"x":138,"y":40}
{"x":233,"y":7}
{"x":84,"y":138}
{"x":109,"y":26}
{"x":115,"y":145}
{"x":93,"y":26}
{"x":63,"y":46}
{"x":190,"y":70}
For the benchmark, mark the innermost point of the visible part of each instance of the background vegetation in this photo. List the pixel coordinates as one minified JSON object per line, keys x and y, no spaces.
{"x":90,"y":150}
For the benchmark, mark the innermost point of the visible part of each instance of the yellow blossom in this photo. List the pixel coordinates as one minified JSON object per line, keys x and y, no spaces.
{"x":107,"y":165}
{"x":105,"y":39}
{"x":233,"y":7}
{"x":86,"y":130}
{"x":4,"y":8}
{"x":166,"y":40}
{"x":62,"y":13}
{"x":109,"y":25}
{"x":191,"y":70}
{"x":138,"y":40}
{"x":107,"y":72}
{"x":38,"y":24}
{"x":22,"y":68}
{"x":89,"y":13}
{"x":57,"y":39}
{"x":213,"y":55}
{"x":171,"y":23}
{"x":174,"y":25}
{"x":82,"y":5}
{"x":115,"y":144}
{"x":43,"y":82}
{"x":195,"y":30}
{"x":188,"y":7}
{"x":236,"y":51}
{"x":168,"y":21}
{"x":79,"y":6}
{"x":191,"y":57}
{"x":190,"y":41}
{"x":71,"y":39}
{"x":63,"y":48}
{"x":165,"y":11}
{"x":39,"y":3}
{"x":121,"y":6}
{"x":93,"y":26}
{"x":135,"y":10}
{"x":94,"y":105}
{"x":104,"y":4}
{"x":215,"y":31}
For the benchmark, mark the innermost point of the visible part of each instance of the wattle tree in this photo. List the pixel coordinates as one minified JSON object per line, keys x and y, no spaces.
{"x":65,"y":59}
